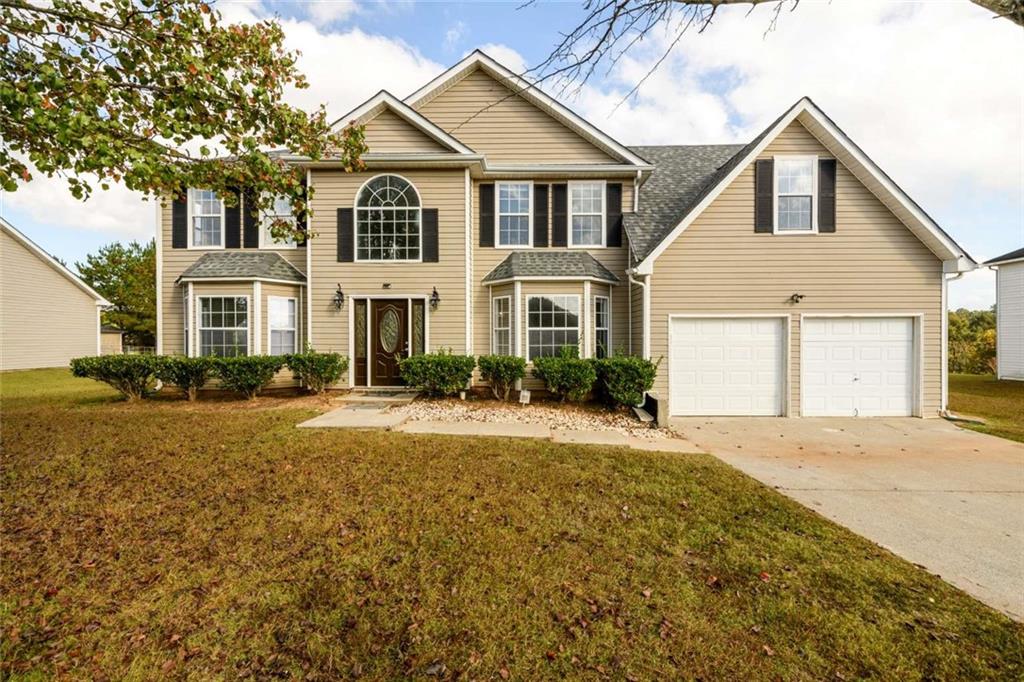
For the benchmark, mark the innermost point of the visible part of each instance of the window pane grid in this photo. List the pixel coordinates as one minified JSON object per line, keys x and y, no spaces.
{"x":281,"y":318}
{"x":586,"y":205}
{"x":388,"y":221}
{"x":794,"y":194}
{"x":514,"y":214}
{"x":552,"y":322}
{"x":502,"y":326}
{"x":207,"y":211}
{"x":223,"y":326}
{"x":601,"y":327}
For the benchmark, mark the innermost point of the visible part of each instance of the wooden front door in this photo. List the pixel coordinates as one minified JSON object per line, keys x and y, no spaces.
{"x":389,"y":335}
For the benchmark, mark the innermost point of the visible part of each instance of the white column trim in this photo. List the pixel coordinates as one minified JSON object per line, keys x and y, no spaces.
{"x":99,"y":330}
{"x":587,"y":346}
{"x":647,"y":316}
{"x":159,"y":276}
{"x":190,"y":307}
{"x":518,"y":290}
{"x":257,"y":314}
{"x":468,"y":265}
{"x":309,"y":267}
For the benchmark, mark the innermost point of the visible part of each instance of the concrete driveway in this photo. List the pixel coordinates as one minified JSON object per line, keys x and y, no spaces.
{"x":946,"y":498}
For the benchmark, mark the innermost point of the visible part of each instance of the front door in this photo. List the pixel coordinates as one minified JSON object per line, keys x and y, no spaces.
{"x":389,"y":323}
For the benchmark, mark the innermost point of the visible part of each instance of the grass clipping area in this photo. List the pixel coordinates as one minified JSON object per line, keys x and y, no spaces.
{"x":217,"y":541}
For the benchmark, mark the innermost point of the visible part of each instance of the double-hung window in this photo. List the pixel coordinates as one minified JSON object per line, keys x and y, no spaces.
{"x":794,"y":193}
{"x":223,"y":326}
{"x":388,"y":220}
{"x":206,"y":212}
{"x":552,"y":322}
{"x":502,"y":325}
{"x":602,"y":327}
{"x":281,"y":318}
{"x":280,"y":211}
{"x":586,"y":213}
{"x":513,"y":214}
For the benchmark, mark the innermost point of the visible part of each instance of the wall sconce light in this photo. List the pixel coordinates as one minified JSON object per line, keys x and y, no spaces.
{"x":796,"y":298}
{"x":435,"y":299}
{"x":339,"y":298}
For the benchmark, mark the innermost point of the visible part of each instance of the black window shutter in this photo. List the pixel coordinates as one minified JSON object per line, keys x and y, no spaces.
{"x":233,"y":225}
{"x":300,"y":219}
{"x":559,"y":215}
{"x":613,"y":211}
{"x":827,"y":195}
{"x":179,"y":222}
{"x":250,"y":222}
{"x":764,"y":178}
{"x":540,"y":215}
{"x":430,"y":235}
{"x":487,"y":215}
{"x":346,"y":246}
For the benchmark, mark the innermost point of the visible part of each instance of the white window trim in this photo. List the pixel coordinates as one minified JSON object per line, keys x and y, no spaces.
{"x":814,"y":193}
{"x":495,"y":328}
{"x":191,"y":225}
{"x":579,"y":322}
{"x":497,"y":215}
{"x":264,"y":222}
{"x":604,"y":214}
{"x":608,"y":313}
{"x":355,"y":222}
{"x":199,"y":317}
{"x":271,"y":328}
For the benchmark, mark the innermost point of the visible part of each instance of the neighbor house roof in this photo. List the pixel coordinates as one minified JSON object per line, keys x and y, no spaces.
{"x":1007,"y":257}
{"x":245,"y":265}
{"x":578,"y":265}
{"x":51,"y":261}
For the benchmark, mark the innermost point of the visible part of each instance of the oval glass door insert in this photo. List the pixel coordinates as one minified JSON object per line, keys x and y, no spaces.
{"x":388,"y":330}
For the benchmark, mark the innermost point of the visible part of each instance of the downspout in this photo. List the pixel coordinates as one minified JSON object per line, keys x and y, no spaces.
{"x":944,"y":407}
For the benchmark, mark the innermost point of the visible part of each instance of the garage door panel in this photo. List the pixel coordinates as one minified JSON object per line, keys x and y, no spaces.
{"x":726,"y":366}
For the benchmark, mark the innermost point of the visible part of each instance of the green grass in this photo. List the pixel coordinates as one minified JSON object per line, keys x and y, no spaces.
{"x":999,"y":403}
{"x":215,"y":540}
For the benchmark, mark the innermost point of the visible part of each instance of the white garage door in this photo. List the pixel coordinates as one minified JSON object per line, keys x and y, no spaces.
{"x":858,"y":367}
{"x":726,"y":366}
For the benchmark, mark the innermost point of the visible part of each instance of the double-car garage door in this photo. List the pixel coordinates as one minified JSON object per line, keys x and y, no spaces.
{"x":849,"y":366}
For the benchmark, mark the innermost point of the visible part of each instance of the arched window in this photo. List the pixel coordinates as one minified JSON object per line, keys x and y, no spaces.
{"x":388,"y":220}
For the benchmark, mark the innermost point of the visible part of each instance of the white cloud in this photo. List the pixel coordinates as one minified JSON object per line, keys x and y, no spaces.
{"x":454,"y":34}
{"x":325,"y":12}
{"x":505,"y":55}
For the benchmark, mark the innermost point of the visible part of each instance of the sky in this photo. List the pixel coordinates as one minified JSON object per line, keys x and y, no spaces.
{"x":932,"y":91}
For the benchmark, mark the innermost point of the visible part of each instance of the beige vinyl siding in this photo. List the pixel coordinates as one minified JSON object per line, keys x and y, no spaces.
{"x":872,"y":264}
{"x":389,"y":132}
{"x":444,"y":190}
{"x":45,"y":319}
{"x":636,"y":319}
{"x":487,"y":258}
{"x":176,"y":261}
{"x":491,"y":119}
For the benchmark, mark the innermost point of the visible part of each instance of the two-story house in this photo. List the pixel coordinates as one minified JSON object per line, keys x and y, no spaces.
{"x":787,"y":276}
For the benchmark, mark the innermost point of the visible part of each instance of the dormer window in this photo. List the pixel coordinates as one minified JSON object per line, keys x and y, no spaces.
{"x":795,"y":189}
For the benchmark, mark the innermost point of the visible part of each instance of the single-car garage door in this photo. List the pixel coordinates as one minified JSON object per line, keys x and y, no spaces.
{"x":857,"y":367}
{"x":726,"y":366}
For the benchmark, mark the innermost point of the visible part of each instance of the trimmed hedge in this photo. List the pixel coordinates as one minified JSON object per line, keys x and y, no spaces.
{"x":132,"y":375}
{"x":624,"y":379}
{"x":317,"y":371}
{"x":501,"y":372}
{"x":566,"y":375}
{"x":249,"y":374}
{"x":188,"y":374}
{"x":438,"y":374}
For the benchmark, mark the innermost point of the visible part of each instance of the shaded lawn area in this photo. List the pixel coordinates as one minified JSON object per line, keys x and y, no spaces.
{"x":999,"y":403}
{"x":216,"y":540}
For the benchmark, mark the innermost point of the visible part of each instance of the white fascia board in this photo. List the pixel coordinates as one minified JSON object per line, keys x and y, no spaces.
{"x":408,"y":114}
{"x":996,"y":264}
{"x":183,"y":280}
{"x":532,"y":93}
{"x":542,"y":278}
{"x":533,"y":170}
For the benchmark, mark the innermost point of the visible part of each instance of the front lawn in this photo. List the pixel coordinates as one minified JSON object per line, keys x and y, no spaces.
{"x":215,"y":540}
{"x":999,"y":403}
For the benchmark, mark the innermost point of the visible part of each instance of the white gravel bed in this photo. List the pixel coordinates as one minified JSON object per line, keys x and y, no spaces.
{"x":553,"y":416}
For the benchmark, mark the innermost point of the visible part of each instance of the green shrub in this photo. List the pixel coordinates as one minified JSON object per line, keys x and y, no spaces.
{"x":624,"y":379}
{"x":249,"y":374}
{"x":132,"y":375}
{"x":188,"y":374}
{"x":438,"y":374}
{"x":501,"y":372}
{"x":317,"y":371}
{"x":566,"y":375}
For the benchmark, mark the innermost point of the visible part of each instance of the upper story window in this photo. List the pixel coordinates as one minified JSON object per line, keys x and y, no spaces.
{"x":206,"y":219}
{"x":281,"y":210}
{"x":388,"y":220}
{"x":514,"y":214}
{"x":586,"y":213}
{"x":795,"y":186}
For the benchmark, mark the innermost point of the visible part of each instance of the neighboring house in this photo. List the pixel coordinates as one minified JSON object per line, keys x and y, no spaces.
{"x":1009,"y":314}
{"x":111,"y":341}
{"x":787,"y":276}
{"x":48,"y":315}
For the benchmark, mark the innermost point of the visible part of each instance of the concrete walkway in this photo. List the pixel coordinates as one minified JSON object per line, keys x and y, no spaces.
{"x":946,"y":498}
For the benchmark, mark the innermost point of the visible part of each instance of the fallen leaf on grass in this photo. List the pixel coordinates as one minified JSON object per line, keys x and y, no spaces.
{"x":768,"y":651}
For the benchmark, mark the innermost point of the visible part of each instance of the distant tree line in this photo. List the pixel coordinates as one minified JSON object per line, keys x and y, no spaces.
{"x":972,"y":341}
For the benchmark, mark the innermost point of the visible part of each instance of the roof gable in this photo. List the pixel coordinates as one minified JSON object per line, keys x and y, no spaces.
{"x":387,"y":132}
{"x":52,"y":262}
{"x":482,"y":101}
{"x":384,"y":100}
{"x":1011,"y":257}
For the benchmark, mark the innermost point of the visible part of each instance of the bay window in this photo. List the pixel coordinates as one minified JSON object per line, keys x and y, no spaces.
{"x":602,"y":327}
{"x":223,"y":326}
{"x":502,"y":325}
{"x":552,"y":322}
{"x":281,"y":319}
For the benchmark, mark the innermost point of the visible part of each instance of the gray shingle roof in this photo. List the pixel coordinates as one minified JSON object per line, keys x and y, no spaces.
{"x":579,"y":264}
{"x":1013,"y":255}
{"x":242,"y":265}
